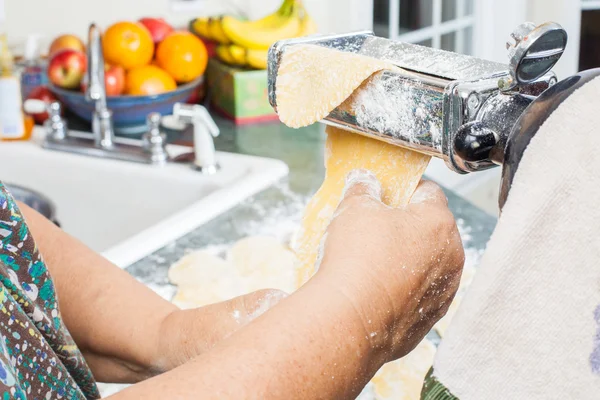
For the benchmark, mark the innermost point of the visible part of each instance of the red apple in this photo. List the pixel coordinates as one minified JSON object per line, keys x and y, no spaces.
{"x":44,"y":94}
{"x":64,"y":42}
{"x":211,"y":47}
{"x":114,"y":79}
{"x":67,"y":68}
{"x":158,"y":28}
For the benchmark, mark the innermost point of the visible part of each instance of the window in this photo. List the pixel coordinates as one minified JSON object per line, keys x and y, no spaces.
{"x":589,"y":53}
{"x":590,"y":4}
{"x":446,"y":24}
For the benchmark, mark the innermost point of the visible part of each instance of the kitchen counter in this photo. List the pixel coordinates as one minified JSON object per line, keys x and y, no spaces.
{"x":277,"y":210}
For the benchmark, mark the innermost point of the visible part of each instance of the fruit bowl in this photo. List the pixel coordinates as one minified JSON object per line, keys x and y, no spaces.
{"x":129,"y":112}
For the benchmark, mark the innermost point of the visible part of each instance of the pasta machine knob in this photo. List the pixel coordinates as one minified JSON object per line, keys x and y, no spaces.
{"x":533,"y":51}
{"x":475,"y":141}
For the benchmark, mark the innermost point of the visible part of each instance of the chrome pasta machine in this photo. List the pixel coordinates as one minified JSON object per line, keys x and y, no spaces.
{"x":474,"y":114}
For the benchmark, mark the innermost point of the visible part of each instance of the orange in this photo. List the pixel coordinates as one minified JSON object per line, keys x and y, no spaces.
{"x":128,"y":44}
{"x":148,"y":79}
{"x":182,"y":55}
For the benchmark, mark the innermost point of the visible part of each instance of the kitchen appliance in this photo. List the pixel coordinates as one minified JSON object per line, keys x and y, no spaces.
{"x":472,"y":113}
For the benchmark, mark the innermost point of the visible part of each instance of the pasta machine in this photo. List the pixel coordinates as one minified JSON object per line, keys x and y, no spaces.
{"x":472,"y":113}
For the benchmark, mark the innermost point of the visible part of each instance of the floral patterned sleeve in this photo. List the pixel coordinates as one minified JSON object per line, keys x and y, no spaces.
{"x":38,"y":357}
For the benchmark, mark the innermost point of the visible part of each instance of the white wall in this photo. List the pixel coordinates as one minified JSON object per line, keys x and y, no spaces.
{"x":53,"y":17}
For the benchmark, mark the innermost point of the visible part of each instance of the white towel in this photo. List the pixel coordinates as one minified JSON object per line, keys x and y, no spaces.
{"x":529,"y":326}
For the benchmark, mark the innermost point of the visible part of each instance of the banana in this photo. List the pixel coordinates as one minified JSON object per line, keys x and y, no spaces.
{"x":257,"y":59}
{"x":261,"y":38}
{"x":224,"y":55}
{"x":246,"y":43}
{"x":274,"y":19}
{"x":199,"y":26}
{"x":215,"y":29}
{"x":238,"y":54}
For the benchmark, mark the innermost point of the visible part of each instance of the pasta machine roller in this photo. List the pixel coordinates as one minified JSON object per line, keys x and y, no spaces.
{"x":474,"y":114}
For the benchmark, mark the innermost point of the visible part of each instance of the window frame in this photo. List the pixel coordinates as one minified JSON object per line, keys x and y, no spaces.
{"x":437,"y":29}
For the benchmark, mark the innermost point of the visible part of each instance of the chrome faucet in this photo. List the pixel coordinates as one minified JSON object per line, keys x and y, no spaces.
{"x":102,"y":125}
{"x":102,"y":142}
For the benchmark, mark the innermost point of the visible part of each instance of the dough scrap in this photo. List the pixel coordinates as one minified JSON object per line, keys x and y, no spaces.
{"x":202,"y":279}
{"x":313,"y":80}
{"x":253,"y":263}
{"x":403,"y":379}
{"x":264,"y":262}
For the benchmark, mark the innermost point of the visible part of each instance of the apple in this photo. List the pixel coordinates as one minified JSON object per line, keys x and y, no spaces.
{"x":211,"y":47}
{"x":44,"y":94}
{"x":67,"y":68}
{"x":64,"y":42}
{"x":158,"y":28}
{"x":114,"y":80}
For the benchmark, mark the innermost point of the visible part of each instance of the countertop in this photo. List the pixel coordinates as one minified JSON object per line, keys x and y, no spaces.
{"x":279,"y":208}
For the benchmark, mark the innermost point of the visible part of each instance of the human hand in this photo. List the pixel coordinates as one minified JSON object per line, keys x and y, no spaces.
{"x":400,"y":268}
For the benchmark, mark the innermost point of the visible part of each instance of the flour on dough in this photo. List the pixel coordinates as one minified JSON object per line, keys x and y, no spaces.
{"x":313,"y":80}
{"x":398,"y":170}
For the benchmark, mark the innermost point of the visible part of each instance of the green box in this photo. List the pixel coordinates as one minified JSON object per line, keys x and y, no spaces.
{"x":240,"y":95}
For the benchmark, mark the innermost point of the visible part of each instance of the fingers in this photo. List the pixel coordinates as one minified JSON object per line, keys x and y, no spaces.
{"x":429,"y":193}
{"x":361,"y":182}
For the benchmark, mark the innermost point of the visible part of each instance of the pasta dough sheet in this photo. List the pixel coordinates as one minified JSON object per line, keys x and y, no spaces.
{"x":399,"y":171}
{"x":311,"y":82}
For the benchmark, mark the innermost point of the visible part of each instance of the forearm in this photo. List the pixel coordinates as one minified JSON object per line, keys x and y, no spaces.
{"x":115,"y":320}
{"x":311,"y":345}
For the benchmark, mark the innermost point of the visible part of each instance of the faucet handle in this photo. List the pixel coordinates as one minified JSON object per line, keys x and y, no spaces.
{"x":196,"y":113}
{"x":205,"y":129}
{"x":56,"y":126}
{"x":54,"y":109}
{"x":153,"y":123}
{"x":154,"y":141}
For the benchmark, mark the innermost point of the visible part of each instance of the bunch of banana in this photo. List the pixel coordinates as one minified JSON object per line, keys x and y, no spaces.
{"x":246,"y":43}
{"x":239,"y":56}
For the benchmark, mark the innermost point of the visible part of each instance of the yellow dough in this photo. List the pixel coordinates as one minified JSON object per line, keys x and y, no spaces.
{"x":264,"y":262}
{"x":253,"y":263}
{"x":203,"y":279}
{"x":313,"y":80}
{"x":399,"y":171}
